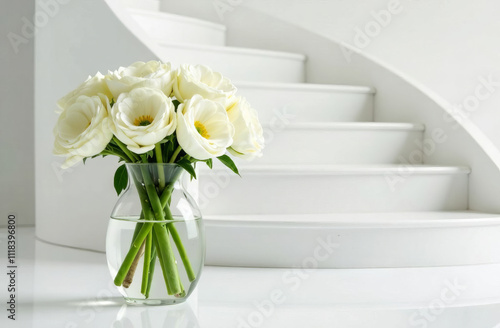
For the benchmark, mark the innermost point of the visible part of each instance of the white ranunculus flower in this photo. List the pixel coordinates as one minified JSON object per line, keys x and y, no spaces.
{"x":93,"y":86}
{"x":203,"y":128}
{"x":201,"y":80}
{"x":152,"y":74}
{"x":82,"y":129}
{"x":248,"y":140}
{"x":143,"y":117}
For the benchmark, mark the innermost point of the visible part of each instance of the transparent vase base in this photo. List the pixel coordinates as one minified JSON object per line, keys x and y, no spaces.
{"x":154,"y":302}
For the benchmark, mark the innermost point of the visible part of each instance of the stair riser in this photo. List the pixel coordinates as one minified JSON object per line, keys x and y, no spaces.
{"x":323,"y":246}
{"x":168,"y":29}
{"x":330,"y":146}
{"x":255,"y":67}
{"x":278,"y":104}
{"x":224,"y":193}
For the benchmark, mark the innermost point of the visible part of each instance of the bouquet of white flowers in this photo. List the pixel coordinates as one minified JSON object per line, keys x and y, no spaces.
{"x":150,"y":113}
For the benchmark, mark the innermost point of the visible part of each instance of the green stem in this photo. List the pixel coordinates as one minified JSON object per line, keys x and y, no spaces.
{"x":134,"y":249}
{"x":182,"y":252}
{"x":107,"y":152}
{"x":152,"y":263}
{"x":112,"y":149}
{"x":138,"y":227}
{"x":131,"y":271}
{"x":159,"y":160}
{"x":154,"y":200}
{"x":167,"y":192}
{"x":165,"y":195}
{"x":175,"y":235}
{"x":160,"y":245}
{"x":162,"y":264}
{"x":165,"y":255}
{"x":147,"y":258}
{"x":174,"y":155}
{"x":133,"y":157}
{"x":164,"y":247}
{"x":183,"y":291}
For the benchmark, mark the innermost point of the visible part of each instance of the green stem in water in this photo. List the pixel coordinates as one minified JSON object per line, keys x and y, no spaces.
{"x":160,"y":247}
{"x":165,"y":197}
{"x":180,"y":247}
{"x":183,"y":291}
{"x":174,"y":285}
{"x":152,"y":263}
{"x":131,"y":271}
{"x":147,"y":259}
{"x":138,"y":227}
{"x":134,"y":249}
{"x":174,"y":155}
{"x":164,"y":247}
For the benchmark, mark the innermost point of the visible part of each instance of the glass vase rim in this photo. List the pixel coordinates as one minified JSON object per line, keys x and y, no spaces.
{"x":174,"y":220}
{"x":153,"y":163}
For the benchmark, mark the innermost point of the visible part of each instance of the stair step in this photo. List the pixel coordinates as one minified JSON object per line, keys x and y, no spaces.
{"x":342,"y":143}
{"x":299,"y":102}
{"x":239,"y":63}
{"x":321,"y":298}
{"x":165,"y":27}
{"x":360,"y":240}
{"x":314,"y":189}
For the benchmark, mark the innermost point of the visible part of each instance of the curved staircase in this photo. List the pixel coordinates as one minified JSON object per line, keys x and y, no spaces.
{"x":329,"y":171}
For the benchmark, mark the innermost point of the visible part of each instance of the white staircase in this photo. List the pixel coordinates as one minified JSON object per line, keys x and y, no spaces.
{"x":159,"y":27}
{"x":300,"y":102}
{"x":370,"y":143}
{"x":327,"y":189}
{"x":329,"y":174}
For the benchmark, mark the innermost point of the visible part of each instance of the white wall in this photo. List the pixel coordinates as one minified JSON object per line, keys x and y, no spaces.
{"x":86,"y":36}
{"x":17,"y":193}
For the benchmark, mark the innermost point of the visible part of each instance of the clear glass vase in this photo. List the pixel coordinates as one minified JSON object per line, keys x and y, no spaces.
{"x":155,"y":244}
